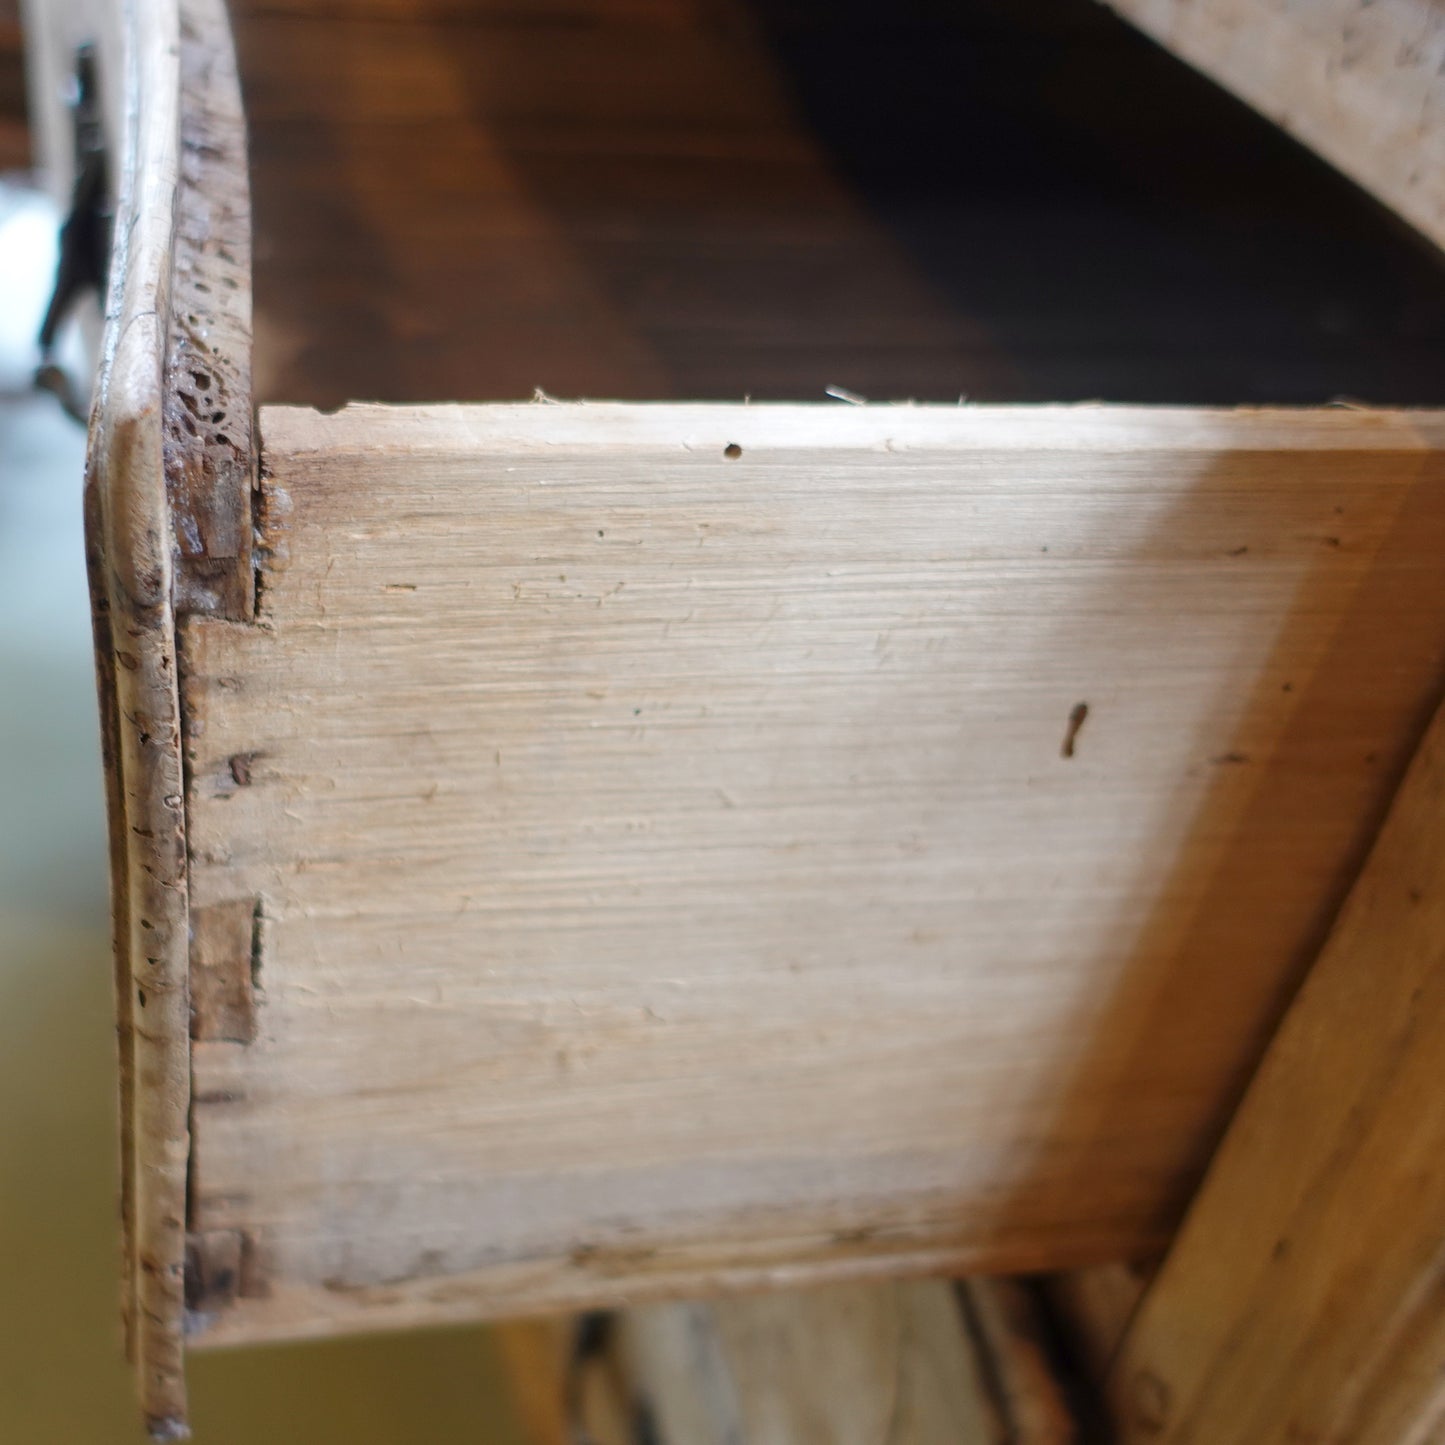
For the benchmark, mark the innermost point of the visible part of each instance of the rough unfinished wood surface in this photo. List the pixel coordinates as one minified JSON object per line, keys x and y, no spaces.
{"x":128,"y":547}
{"x":1358,"y":81}
{"x":707,"y":846}
{"x":157,"y":502}
{"x":1305,"y":1296}
{"x":208,"y":409}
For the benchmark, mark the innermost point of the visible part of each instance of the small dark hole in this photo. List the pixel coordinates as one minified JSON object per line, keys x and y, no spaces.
{"x":202,"y":379}
{"x":732,"y":451}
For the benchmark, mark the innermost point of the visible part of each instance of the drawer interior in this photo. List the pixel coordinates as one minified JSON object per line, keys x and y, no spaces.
{"x":719,"y":199}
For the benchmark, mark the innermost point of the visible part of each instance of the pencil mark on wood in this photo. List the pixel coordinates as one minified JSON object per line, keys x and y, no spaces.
{"x":1078,"y":715}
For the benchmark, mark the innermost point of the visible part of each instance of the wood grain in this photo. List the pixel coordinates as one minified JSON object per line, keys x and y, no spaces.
{"x":711,"y":199}
{"x":1358,"y":81}
{"x":207,"y":387}
{"x":176,"y":244}
{"x":129,"y":559}
{"x":223,"y":999}
{"x":1305,"y":1296}
{"x":670,"y":876}
{"x":701,"y":848}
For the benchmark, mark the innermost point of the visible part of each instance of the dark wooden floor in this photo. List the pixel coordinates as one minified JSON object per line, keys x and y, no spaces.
{"x":719,"y":198}
{"x":14,"y":128}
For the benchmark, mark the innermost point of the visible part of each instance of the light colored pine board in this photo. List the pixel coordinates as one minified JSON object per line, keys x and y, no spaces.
{"x":1358,"y":81}
{"x":670,"y":878}
{"x":1305,"y":1296}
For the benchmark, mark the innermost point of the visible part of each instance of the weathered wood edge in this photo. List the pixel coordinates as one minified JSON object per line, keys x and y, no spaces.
{"x":552,"y":1285}
{"x":1357,"y":81}
{"x":1302,"y":1298}
{"x":449,"y":428}
{"x":179,"y":303}
{"x":129,"y":551}
{"x":209,"y":422}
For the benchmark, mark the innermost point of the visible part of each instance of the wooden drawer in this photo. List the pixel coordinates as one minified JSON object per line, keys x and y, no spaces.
{"x":578,"y":852}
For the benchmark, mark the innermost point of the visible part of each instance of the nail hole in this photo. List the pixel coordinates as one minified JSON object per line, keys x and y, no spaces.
{"x":732,"y":451}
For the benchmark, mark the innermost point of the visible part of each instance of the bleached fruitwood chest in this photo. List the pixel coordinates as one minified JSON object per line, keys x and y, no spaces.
{"x":569,"y":853}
